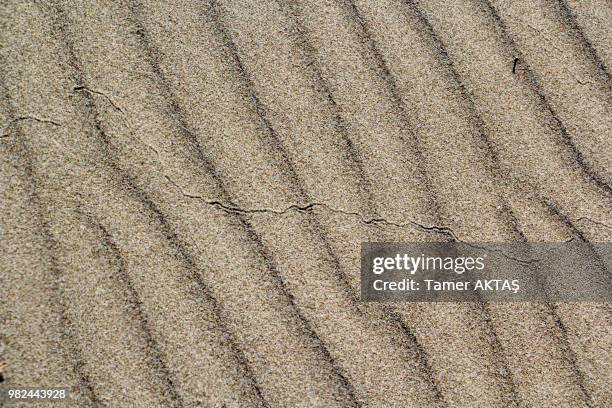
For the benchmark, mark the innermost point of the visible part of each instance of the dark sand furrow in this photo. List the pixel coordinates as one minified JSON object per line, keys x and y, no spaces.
{"x":421,"y":354}
{"x":320,"y":84}
{"x":570,"y":19}
{"x":493,"y":156}
{"x":207,"y":171}
{"x":575,"y":338}
{"x":485,"y":316}
{"x":287,"y":166}
{"x":311,"y":66}
{"x":513,"y":93}
{"x":273,"y":141}
{"x":498,"y":24}
{"x":269,"y":133}
{"x":207,"y":318}
{"x":156,"y":214}
{"x":31,"y":347}
{"x":196,"y":276}
{"x":556,"y":213}
{"x":493,"y":159}
{"x":269,"y":260}
{"x":563,"y":325}
{"x":365,"y":106}
{"x":327,"y":97}
{"x":573,"y":85}
{"x":338,"y":371}
{"x":479,"y":102}
{"x":176,"y":113}
{"x":564,"y":341}
{"x":423,"y":25}
{"x":96,"y":365}
{"x":277,"y":145}
{"x":157,"y":360}
{"x":90,"y":112}
{"x":406,"y":351}
{"x":570,"y":355}
{"x":431,"y":135}
{"x":593,"y":19}
{"x":380,"y":66}
{"x":411,"y":339}
{"x":67,"y":343}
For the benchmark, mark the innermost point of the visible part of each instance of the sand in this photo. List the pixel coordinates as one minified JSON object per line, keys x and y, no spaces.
{"x":185,"y":187}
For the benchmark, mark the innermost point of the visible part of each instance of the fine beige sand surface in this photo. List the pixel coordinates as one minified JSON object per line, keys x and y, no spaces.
{"x":185,"y":185}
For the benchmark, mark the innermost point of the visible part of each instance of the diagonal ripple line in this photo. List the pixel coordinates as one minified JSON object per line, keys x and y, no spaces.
{"x":386,"y":74}
{"x":493,"y":159}
{"x":380,"y":67}
{"x":90,"y":110}
{"x":179,"y":116}
{"x":157,"y":361}
{"x":319,"y":84}
{"x":566,"y":139}
{"x":570,"y":19}
{"x":68,"y":340}
{"x":224,"y":35}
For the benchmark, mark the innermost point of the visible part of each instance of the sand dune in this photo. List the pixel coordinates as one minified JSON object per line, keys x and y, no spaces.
{"x":185,"y":187}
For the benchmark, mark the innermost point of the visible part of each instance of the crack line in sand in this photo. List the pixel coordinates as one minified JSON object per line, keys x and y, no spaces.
{"x":34,"y":118}
{"x":594,"y":222}
{"x":117,"y":108}
{"x":27,"y":117}
{"x":444,"y":230}
{"x":86,"y":89}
